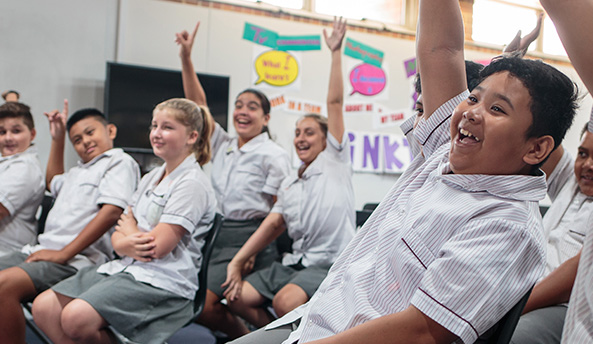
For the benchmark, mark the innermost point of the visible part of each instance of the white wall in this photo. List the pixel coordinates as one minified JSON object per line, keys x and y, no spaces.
{"x":52,"y":50}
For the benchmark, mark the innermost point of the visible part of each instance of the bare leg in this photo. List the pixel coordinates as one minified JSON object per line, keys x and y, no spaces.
{"x":47,"y":311}
{"x":288,"y":298}
{"x":217,"y":317}
{"x":83,"y":324}
{"x":15,"y":286}
{"x":248,"y":306}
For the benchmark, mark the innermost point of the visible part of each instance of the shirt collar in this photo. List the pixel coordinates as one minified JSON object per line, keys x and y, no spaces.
{"x":254,"y":143}
{"x":105,"y":154}
{"x":515,"y":187}
{"x":163,"y":186}
{"x":31,"y":150}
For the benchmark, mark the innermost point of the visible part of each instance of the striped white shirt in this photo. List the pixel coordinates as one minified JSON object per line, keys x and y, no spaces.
{"x":578,"y":326}
{"x":463,"y":249}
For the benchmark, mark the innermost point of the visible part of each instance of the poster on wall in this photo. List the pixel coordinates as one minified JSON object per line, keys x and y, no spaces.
{"x":278,"y":68}
{"x":379,"y":152}
{"x":367,"y":79}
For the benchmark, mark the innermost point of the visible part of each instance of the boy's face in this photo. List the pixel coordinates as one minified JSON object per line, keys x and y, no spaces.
{"x":15,"y":136}
{"x":91,"y":138}
{"x":583,"y":164}
{"x":488,"y":129}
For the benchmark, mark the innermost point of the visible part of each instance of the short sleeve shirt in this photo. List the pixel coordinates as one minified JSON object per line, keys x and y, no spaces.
{"x":246,"y":179}
{"x":22,"y":186}
{"x":438,"y":242}
{"x":569,"y":218}
{"x":110,"y":178}
{"x":318,"y":208}
{"x":185,"y":198}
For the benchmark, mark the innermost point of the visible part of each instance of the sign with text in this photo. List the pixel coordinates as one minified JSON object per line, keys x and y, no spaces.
{"x":379,"y":152}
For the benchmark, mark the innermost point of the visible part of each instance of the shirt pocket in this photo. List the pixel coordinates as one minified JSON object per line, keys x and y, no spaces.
{"x":89,"y":184}
{"x":420,"y":253}
{"x":155,"y":210}
{"x":252,"y":176}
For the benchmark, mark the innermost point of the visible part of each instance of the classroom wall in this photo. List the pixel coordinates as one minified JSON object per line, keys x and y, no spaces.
{"x":58,"y":49}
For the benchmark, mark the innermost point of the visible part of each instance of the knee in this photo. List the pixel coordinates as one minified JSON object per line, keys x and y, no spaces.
{"x":43,"y":307}
{"x":75,"y":321}
{"x":288,"y":298}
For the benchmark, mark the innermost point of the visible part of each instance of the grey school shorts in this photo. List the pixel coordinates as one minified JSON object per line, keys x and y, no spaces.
{"x":139,"y":311}
{"x":43,"y":274}
{"x":269,"y":281}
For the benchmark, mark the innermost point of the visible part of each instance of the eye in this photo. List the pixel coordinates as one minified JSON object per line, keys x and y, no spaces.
{"x":152,"y":127}
{"x":582,"y":154}
{"x":472,"y":99}
{"x":2,"y":132}
{"x":496,"y":108}
{"x":253,"y":108}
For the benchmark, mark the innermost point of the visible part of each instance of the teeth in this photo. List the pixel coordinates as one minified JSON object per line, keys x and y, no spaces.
{"x":468,"y":134}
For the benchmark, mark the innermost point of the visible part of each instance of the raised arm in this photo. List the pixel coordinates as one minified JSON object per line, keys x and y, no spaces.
{"x":439,"y":50}
{"x":57,"y":130}
{"x":335,"y":93}
{"x":521,"y":44}
{"x":191,"y":85}
{"x":268,"y":231}
{"x":572,"y":19}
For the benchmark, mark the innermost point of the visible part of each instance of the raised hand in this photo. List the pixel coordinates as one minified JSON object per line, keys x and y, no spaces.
{"x":521,"y":44}
{"x":334,"y":41}
{"x":57,"y":121}
{"x":186,"y":41}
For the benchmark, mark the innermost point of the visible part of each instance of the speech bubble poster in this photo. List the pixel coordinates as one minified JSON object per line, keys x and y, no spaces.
{"x":364,"y":81}
{"x":274,"y":68}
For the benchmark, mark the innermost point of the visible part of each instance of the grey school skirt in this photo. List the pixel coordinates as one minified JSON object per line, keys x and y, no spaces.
{"x":233,"y":235}
{"x":269,"y":281}
{"x":139,"y":311}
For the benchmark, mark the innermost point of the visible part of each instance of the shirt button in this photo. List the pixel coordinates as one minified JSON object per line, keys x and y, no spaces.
{"x":376,"y":249}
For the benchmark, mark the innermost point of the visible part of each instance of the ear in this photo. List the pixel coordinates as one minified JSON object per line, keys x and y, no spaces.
{"x":266,"y":118}
{"x":540,"y":148}
{"x":112,"y":130}
{"x":193,"y":137}
{"x":33,"y":133}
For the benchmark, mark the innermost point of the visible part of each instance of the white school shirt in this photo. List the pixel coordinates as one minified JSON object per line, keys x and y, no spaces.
{"x":185,"y":198}
{"x":246,"y":179}
{"x":463,"y":263}
{"x":318,"y":208}
{"x":22,"y":185}
{"x":110,"y":178}
{"x":568,"y":219}
{"x":578,"y":326}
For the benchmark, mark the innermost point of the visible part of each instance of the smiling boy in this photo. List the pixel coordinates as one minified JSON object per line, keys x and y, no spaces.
{"x":21,"y":178}
{"x":458,"y":240}
{"x":90,"y":198}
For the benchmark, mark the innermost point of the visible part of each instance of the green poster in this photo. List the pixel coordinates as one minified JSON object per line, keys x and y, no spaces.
{"x":363,"y":52}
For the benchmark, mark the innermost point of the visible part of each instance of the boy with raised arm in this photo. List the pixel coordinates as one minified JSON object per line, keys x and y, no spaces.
{"x":90,"y":198}
{"x":458,"y":240}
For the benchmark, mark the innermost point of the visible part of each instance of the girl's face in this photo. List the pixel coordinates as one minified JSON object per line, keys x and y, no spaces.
{"x":169,"y":138}
{"x":248,"y":117}
{"x":309,"y":140}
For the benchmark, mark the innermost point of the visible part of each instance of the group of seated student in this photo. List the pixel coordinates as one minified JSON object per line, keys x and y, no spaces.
{"x":454,"y":245}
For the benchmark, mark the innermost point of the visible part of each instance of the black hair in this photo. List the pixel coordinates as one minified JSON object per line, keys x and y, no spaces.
{"x":472,"y":76}
{"x":554,"y":96}
{"x":265,"y":105}
{"x":84,"y":113}
{"x":17,"y":110}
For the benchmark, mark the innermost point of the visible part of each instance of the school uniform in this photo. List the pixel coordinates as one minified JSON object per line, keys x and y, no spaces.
{"x":578,"y":327}
{"x":110,"y":178}
{"x":318,"y":210}
{"x":158,"y":296}
{"x":463,"y":249}
{"x":245,"y":181}
{"x":566,"y":223}
{"x":22,"y":185}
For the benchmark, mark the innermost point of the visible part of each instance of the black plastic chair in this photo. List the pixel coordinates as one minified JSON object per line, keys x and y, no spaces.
{"x":502,"y":332}
{"x":209,"y":241}
{"x":46,"y":203}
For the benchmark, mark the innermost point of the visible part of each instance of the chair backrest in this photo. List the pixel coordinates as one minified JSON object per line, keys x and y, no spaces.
{"x":362,"y":216}
{"x":46,"y":203}
{"x":503,"y":330}
{"x":203,"y":273}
